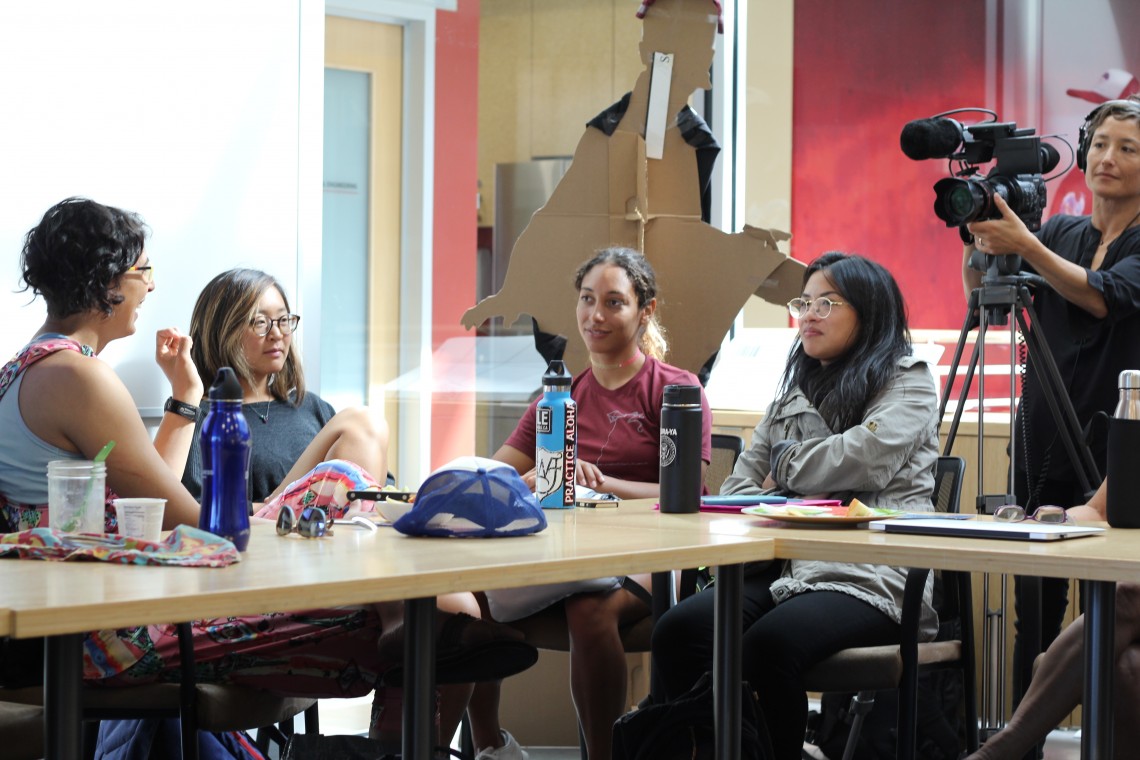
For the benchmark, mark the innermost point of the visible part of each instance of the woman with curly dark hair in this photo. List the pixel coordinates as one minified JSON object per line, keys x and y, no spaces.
{"x":88,"y":262}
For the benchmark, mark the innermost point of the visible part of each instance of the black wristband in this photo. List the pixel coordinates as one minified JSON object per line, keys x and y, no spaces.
{"x":182,"y":409}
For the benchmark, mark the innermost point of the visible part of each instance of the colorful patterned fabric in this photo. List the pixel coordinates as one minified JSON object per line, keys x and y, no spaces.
{"x":32,"y":353}
{"x":185,"y":546}
{"x":16,"y":517}
{"x":326,"y":486}
{"x":315,"y":653}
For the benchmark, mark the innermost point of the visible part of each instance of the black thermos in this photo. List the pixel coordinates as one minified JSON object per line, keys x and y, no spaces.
{"x":681,"y":426}
{"x":1124,"y":455}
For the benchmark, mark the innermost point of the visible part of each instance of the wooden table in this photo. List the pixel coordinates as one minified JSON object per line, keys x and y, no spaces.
{"x":62,"y":601}
{"x":1102,"y":560}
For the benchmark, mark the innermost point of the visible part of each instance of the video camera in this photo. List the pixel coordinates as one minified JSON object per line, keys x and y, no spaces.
{"x":1021,"y":160}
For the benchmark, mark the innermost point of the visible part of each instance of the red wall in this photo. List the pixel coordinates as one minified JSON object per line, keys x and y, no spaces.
{"x":455,"y":222}
{"x":862,"y":69}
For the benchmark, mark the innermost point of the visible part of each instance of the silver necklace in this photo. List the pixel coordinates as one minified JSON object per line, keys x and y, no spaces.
{"x":263,"y":417}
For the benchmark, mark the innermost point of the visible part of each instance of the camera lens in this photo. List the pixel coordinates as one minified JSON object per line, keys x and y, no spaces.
{"x":958,"y":201}
{"x":961,"y":202}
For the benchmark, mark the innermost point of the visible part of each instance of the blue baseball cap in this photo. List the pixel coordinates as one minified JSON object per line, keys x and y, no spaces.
{"x":473,"y":497}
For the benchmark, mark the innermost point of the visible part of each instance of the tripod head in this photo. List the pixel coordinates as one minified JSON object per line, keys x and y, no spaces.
{"x":1002,"y":282}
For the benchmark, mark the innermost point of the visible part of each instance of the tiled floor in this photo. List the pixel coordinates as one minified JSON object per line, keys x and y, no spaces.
{"x":350,"y":716}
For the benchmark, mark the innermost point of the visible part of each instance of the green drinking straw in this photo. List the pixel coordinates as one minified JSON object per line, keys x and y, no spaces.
{"x":102,"y":455}
{"x":103,"y":452}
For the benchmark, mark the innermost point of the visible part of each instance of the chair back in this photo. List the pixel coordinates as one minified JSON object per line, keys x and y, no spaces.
{"x":948,"y":474}
{"x":725,"y":450}
{"x":949,"y":586}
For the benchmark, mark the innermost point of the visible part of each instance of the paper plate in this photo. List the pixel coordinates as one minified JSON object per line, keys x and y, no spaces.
{"x":816,"y":515}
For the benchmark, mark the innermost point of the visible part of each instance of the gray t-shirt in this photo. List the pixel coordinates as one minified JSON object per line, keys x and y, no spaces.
{"x":279,"y":433}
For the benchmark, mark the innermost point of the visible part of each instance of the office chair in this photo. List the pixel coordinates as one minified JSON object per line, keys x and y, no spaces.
{"x":206,"y":707}
{"x":866,"y":670}
{"x":725,"y":451}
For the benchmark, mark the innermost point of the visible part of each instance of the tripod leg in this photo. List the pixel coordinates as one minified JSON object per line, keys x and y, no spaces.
{"x":971,"y":308}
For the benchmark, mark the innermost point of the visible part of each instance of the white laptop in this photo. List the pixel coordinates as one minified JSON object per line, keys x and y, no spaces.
{"x":1028,"y":530}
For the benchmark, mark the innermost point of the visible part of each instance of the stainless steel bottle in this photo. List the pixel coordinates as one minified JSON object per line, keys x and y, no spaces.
{"x":682,"y":420}
{"x":1124,"y":454}
{"x":225,"y":446}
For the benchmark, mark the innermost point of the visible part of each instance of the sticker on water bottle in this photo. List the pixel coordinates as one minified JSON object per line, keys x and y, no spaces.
{"x":549,"y":474}
{"x":668,"y":446}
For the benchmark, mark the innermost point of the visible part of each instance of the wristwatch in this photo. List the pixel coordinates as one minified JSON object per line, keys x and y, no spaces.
{"x":182,"y":409}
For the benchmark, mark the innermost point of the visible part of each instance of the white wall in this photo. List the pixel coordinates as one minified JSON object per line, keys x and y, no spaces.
{"x":186,"y":113}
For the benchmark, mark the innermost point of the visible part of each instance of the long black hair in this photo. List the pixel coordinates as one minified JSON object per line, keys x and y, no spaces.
{"x":841,"y":390}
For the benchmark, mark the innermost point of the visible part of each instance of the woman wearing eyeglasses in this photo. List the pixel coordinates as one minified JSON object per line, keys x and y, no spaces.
{"x":856,"y":417}
{"x":305,"y":453}
{"x":57,"y":401}
{"x":242,"y":320}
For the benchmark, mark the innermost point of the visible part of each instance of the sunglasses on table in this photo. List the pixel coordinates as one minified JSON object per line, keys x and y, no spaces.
{"x":311,"y":522}
{"x":1043,"y":514}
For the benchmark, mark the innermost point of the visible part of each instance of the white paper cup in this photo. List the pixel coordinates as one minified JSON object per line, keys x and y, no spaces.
{"x":140,"y":518}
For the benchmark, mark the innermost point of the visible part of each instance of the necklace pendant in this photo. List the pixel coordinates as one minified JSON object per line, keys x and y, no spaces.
{"x":263,"y":417}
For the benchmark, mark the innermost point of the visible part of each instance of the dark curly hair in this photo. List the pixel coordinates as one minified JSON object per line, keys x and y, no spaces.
{"x":76,"y":254}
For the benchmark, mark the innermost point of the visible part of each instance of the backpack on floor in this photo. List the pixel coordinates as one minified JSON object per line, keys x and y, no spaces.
{"x":683,"y":729}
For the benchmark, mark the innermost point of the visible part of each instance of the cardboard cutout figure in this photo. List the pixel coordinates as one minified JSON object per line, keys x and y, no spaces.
{"x":615,"y":194}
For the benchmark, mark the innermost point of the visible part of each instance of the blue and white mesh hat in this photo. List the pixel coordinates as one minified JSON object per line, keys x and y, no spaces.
{"x":473,"y":497}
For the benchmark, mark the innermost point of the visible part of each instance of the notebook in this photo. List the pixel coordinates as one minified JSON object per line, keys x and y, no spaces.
{"x":1029,"y":530}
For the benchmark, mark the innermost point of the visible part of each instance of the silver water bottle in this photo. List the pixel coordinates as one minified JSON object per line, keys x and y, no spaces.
{"x":1124,"y":454}
{"x":682,"y":424}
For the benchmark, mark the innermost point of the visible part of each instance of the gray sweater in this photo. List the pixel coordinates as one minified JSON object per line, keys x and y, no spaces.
{"x":279,"y":433}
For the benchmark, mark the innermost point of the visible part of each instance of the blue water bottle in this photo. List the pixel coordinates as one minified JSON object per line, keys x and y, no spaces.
{"x":225,"y":448}
{"x":556,"y":445}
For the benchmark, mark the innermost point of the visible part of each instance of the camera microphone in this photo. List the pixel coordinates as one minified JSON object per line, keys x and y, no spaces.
{"x":932,"y":138}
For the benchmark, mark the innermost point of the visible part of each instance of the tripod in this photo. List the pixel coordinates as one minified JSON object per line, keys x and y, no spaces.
{"x":998,"y":296}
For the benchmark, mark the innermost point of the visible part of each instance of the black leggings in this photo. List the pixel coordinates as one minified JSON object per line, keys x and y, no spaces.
{"x":781,"y":643}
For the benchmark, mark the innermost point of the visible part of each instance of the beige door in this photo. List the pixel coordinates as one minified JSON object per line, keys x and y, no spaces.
{"x":360,"y":311}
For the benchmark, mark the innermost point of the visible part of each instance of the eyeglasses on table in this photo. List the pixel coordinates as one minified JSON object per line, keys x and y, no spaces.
{"x":1043,"y":514}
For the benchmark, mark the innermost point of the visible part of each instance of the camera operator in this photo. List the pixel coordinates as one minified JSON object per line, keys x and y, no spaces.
{"x":1090,"y":316}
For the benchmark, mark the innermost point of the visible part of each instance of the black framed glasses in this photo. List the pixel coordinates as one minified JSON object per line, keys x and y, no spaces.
{"x":146,"y":271}
{"x":1043,"y":514}
{"x":310,"y":522}
{"x":821,"y":307}
{"x":263,"y":325}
